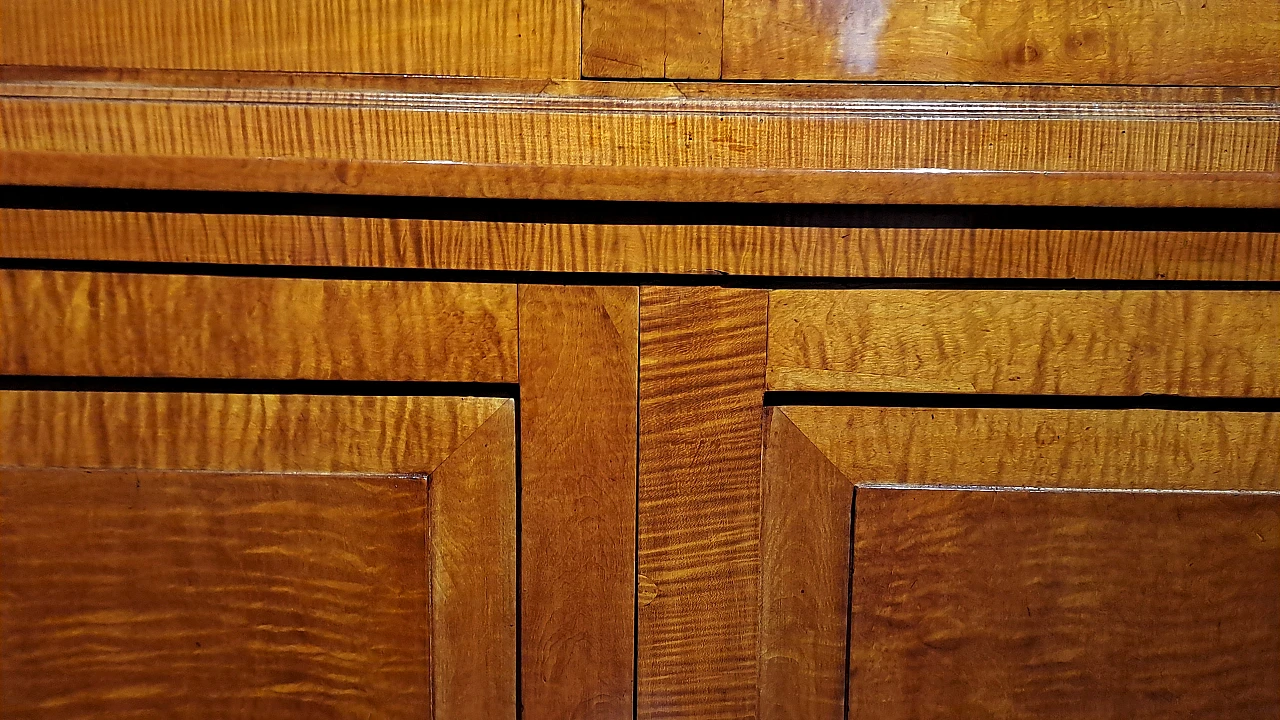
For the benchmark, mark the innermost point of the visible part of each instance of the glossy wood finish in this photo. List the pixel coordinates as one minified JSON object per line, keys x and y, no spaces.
{"x":1231,"y":42}
{"x":806,"y":506}
{"x":702,"y":355}
{"x":578,"y":375}
{"x":718,"y":249}
{"x":1065,"y":605}
{"x":140,"y":592}
{"x":1128,"y":342}
{"x":65,"y":323}
{"x":869,"y":148}
{"x":1124,"y":449}
{"x":505,"y":38}
{"x":651,"y":38}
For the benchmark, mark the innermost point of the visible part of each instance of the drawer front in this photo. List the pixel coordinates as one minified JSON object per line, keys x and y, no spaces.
{"x":494,"y":38}
{"x":257,"y":555}
{"x":1234,"y":42}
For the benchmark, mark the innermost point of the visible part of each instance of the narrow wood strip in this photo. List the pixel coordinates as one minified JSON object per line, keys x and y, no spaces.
{"x":578,"y":375}
{"x":733,"y":250}
{"x":61,"y":323}
{"x":702,"y":357}
{"x":473,"y":574}
{"x":1127,"y":449}
{"x":806,"y":510}
{"x":1127,"y":342}
{"x":132,"y":593}
{"x":235,"y":433}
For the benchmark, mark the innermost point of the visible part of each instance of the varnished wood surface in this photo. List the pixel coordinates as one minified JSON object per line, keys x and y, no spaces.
{"x":702,"y":147}
{"x":1128,"y":342}
{"x":651,"y":38}
{"x":71,"y":323}
{"x":145,"y":593}
{"x":727,"y":249}
{"x":1125,"y":449}
{"x":1230,"y":42}
{"x":236,"y":433}
{"x":1065,"y":605}
{"x":806,"y":511}
{"x":578,"y":375}
{"x":702,"y":356}
{"x":473,"y":574}
{"x":505,"y":38}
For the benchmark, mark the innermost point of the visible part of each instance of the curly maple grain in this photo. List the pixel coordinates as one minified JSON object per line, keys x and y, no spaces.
{"x":64,"y":323}
{"x":1126,"y":342}
{"x":559,"y":247}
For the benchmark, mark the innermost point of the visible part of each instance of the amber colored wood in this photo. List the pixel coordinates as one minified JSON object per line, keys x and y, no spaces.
{"x":1230,"y":42}
{"x":722,"y":249}
{"x":702,"y":357}
{"x":473,"y":574}
{"x":806,"y":510}
{"x":651,"y":38}
{"x":578,"y":375}
{"x":1124,"y":449}
{"x":1128,"y":342}
{"x":511,"y":38}
{"x":71,"y":323}
{"x":1014,"y":149}
{"x":146,"y":592}
{"x":1065,"y":605}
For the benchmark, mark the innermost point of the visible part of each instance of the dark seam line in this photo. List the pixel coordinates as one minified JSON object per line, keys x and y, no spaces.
{"x":774,"y":398}
{"x":256,"y":386}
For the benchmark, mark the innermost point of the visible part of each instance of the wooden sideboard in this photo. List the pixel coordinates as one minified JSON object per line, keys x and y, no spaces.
{"x":590,"y":359}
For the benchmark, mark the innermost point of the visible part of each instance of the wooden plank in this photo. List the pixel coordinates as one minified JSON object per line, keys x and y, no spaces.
{"x":235,"y":433}
{"x":1018,"y":148}
{"x":1128,"y":342}
{"x":1231,"y":42}
{"x":1065,"y":605}
{"x":473,"y":574}
{"x":578,"y":375}
{"x":1127,"y":449}
{"x":702,"y":356}
{"x":806,"y":511}
{"x":511,"y":38}
{"x":141,"y":592}
{"x":651,"y":38}
{"x":575,"y":247}
{"x":71,"y":323}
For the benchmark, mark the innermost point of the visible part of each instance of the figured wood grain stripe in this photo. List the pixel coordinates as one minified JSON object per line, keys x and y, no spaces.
{"x":651,"y":38}
{"x":578,"y":375}
{"x":559,"y":247}
{"x":806,"y":511}
{"x":701,"y":395}
{"x":1065,"y":605}
{"x":1129,"y":342}
{"x":142,"y":592}
{"x":67,"y":323}
{"x":1014,"y":447}
{"x":504,"y":38}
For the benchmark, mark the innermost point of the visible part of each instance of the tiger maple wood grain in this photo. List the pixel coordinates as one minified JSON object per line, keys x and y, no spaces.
{"x":142,"y":592}
{"x":806,"y":512}
{"x":505,"y":38}
{"x":237,"y":433}
{"x":1127,"y":449}
{"x":72,"y":323}
{"x":702,"y":355}
{"x":578,"y":375}
{"x":1065,"y":605}
{"x":1126,"y":342}
{"x":473,"y":574}
{"x":1185,"y":42}
{"x":734,"y":250}
{"x":651,"y":38}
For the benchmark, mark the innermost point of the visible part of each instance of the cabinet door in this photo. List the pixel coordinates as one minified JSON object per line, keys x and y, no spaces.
{"x":214,"y":555}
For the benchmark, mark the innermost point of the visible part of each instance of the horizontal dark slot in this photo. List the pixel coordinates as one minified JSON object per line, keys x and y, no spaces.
{"x":537,"y":277}
{"x":256,"y":386}
{"x":643,"y":213}
{"x":780,"y":398}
